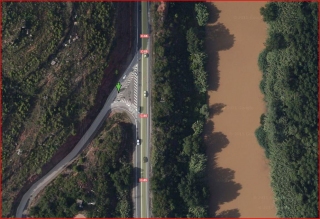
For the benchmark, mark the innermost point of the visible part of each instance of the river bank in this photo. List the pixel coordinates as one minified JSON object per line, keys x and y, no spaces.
{"x":239,"y":175}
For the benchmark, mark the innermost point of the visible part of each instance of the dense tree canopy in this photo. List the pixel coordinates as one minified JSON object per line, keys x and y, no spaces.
{"x":179,"y":112}
{"x":289,"y":129}
{"x":269,"y":12}
{"x":202,"y":14}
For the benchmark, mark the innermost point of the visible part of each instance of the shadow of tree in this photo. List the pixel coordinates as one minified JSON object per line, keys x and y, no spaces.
{"x":218,"y":38}
{"x":233,"y":213}
{"x":216,"y":141}
{"x":222,"y":186}
{"x":216,"y":109}
{"x":213,"y":12}
{"x":208,"y":127}
{"x":136,"y":175}
{"x":225,"y":189}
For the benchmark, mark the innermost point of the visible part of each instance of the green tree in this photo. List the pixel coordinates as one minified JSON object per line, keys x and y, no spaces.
{"x":269,"y":12}
{"x":202,"y":14}
{"x":197,"y":164}
{"x":124,"y":208}
{"x":191,"y":145}
{"x":194,"y":43}
{"x":262,"y":61}
{"x":197,"y":212}
{"x":204,"y":110}
{"x":261,"y":136}
{"x":34,"y":211}
{"x":275,"y":41}
{"x":197,"y":127}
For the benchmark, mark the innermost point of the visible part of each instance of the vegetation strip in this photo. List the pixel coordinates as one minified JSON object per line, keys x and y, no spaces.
{"x":179,"y":112}
{"x":288,"y":130}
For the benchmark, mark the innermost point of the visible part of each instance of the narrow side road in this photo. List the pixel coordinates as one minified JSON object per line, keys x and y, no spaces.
{"x":86,"y":138}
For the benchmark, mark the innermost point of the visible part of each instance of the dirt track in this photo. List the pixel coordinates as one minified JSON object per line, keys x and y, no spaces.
{"x":238,"y":170}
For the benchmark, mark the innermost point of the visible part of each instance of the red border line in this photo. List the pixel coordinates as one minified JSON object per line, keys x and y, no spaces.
{"x":1,"y":111}
{"x":21,"y":1}
{"x":318,"y":111}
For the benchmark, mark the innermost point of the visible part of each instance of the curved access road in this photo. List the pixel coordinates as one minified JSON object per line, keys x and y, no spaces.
{"x":115,"y":101}
{"x":110,"y":104}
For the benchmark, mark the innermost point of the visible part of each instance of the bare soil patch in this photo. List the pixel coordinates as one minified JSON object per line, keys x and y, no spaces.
{"x":79,"y":216}
{"x":238,"y":171}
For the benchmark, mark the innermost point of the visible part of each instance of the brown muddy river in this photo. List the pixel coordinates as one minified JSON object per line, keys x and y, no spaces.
{"x":238,"y":170}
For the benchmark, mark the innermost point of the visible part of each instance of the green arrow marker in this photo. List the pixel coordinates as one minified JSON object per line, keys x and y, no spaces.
{"x":118,"y":86}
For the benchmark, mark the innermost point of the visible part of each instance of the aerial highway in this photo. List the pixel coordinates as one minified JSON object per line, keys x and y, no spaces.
{"x":118,"y":99}
{"x":130,"y":97}
{"x":143,"y":205}
{"x":110,"y":104}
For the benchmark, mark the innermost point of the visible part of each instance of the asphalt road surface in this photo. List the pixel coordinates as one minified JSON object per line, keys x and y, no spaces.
{"x":144,"y":122}
{"x":141,"y":191}
{"x":86,"y":138}
{"x":141,"y":188}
